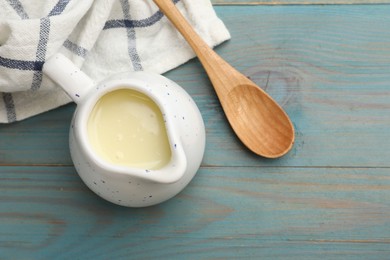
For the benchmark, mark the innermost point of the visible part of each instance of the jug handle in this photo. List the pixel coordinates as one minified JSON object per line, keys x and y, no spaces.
{"x":66,"y":74}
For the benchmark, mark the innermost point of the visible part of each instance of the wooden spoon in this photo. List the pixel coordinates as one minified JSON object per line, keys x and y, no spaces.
{"x":259,"y":122}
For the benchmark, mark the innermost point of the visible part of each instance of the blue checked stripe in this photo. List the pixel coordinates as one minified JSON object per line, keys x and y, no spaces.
{"x":128,"y":23}
{"x":131,"y":38}
{"x":43,"y":39}
{"x":76,"y":49}
{"x":8,"y":63}
{"x":20,"y":64}
{"x":9,"y":106}
{"x":130,"y":26}
{"x":44,"y":33}
{"x":17,"y":6}
{"x":36,"y":66}
{"x":41,"y":52}
{"x":59,"y":7}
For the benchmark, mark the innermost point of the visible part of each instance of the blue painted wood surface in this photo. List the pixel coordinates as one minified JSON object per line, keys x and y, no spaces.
{"x":328,"y":66}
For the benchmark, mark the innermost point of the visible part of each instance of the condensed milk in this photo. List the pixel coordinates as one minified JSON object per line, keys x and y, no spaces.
{"x":127,"y":128}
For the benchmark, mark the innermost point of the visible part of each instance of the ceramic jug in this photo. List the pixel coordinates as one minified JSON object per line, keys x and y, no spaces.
{"x":132,"y":185}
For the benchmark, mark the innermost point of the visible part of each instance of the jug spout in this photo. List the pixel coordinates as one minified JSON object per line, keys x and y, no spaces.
{"x":172,"y":172}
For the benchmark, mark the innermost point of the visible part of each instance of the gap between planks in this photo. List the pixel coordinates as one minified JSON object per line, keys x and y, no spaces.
{"x":347,"y":241}
{"x":219,"y":166}
{"x":336,"y":2}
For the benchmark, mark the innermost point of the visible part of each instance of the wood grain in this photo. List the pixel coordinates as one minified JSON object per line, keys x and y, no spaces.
{"x":256,"y":119}
{"x":242,"y":212}
{"x":298,"y":2}
{"x":329,"y":67}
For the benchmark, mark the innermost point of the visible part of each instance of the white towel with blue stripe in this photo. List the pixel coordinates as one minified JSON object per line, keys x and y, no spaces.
{"x":102,"y":37}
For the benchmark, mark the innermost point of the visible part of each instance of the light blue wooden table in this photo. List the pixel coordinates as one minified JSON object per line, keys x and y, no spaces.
{"x":327,"y":64}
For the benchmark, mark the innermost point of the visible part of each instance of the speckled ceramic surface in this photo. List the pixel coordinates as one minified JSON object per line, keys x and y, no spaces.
{"x":135,"y":187}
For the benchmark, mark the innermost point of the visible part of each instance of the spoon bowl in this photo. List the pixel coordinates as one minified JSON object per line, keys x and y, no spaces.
{"x":258,"y":121}
{"x":267,"y":130}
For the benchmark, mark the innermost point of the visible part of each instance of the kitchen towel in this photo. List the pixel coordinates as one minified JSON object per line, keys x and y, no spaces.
{"x":102,"y":37}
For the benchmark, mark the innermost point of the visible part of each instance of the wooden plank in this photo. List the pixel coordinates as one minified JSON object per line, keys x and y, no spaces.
{"x":329,"y":68}
{"x":226,"y":212}
{"x":327,"y":65}
{"x":42,"y":139}
{"x":298,"y":2}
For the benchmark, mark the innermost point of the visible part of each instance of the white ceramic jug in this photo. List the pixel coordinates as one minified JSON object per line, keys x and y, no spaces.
{"x":121,"y":184}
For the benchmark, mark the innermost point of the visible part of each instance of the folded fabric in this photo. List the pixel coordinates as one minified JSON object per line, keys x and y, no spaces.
{"x":102,"y":37}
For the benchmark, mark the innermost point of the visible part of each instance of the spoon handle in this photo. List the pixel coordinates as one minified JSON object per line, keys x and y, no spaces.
{"x":259,"y":122}
{"x":218,"y":70}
